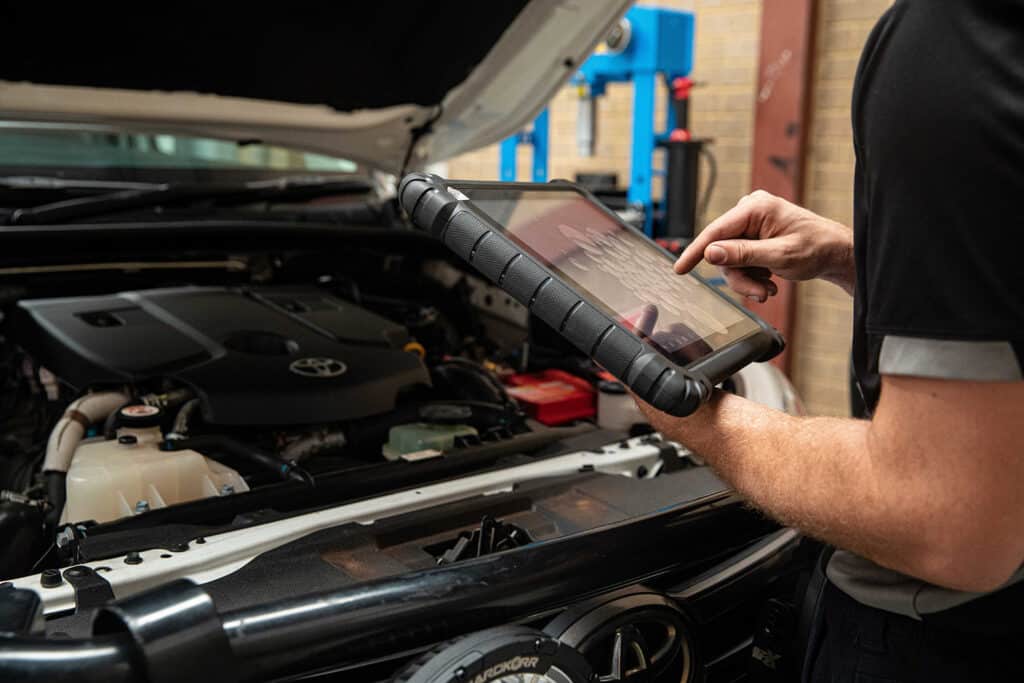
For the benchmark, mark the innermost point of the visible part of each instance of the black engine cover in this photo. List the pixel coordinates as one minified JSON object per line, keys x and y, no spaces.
{"x":282,"y":356}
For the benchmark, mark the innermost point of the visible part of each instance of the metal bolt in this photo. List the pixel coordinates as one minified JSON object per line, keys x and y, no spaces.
{"x":545,"y":646}
{"x":227,"y":490}
{"x":141,"y":506}
{"x":133,"y":558}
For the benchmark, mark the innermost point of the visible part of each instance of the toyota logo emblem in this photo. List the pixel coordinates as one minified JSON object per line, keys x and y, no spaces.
{"x":323,"y":368}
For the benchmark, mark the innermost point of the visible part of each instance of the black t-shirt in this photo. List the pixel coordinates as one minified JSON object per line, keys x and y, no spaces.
{"x":938,"y":120}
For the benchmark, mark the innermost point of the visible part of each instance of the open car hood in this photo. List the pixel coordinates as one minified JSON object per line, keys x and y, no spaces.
{"x":359,"y":80}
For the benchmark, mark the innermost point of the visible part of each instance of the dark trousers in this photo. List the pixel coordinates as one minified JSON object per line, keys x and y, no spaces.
{"x":852,"y":643}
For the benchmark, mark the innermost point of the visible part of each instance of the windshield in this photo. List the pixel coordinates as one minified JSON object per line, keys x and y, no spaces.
{"x":93,"y":152}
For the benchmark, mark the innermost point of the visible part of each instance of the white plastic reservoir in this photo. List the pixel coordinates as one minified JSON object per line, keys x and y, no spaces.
{"x":108,"y":480}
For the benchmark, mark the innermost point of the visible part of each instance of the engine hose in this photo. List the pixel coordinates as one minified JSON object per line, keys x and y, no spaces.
{"x":483,"y":375}
{"x":110,"y":424}
{"x":168,"y":399}
{"x":213,"y":443}
{"x":56,"y":494}
{"x":64,"y":439}
{"x":314,"y":444}
{"x":71,"y":427}
{"x":184,"y":416}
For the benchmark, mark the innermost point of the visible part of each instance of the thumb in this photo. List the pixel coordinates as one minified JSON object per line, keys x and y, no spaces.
{"x":741,"y":253}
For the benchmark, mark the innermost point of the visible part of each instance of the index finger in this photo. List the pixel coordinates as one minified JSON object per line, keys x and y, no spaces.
{"x":730,"y":224}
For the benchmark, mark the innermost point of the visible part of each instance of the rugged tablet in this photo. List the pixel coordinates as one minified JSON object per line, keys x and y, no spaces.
{"x":604,"y":286}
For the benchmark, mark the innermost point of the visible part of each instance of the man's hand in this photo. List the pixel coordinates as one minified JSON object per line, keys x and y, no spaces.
{"x":764,"y":235}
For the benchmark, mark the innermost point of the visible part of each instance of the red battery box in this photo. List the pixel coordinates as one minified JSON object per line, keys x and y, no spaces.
{"x":553,"y":397}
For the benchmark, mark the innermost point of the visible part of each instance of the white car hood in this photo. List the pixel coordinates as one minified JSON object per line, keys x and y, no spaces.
{"x":534,"y":56}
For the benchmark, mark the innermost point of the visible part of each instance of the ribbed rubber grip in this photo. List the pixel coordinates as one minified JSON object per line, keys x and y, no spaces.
{"x":433,"y":207}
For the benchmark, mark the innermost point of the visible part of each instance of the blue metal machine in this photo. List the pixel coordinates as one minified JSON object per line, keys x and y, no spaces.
{"x":537,"y":138}
{"x":650,"y":43}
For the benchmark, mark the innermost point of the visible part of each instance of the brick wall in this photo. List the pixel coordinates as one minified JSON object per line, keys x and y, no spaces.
{"x":726,"y":60}
{"x":824,"y":312}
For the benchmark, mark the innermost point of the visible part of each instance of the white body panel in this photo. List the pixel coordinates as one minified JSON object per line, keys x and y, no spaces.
{"x":225,"y":553}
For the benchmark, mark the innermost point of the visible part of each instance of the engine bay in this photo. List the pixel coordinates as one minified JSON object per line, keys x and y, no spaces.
{"x":137,"y":401}
{"x":282,"y":410}
{"x":242,"y":384}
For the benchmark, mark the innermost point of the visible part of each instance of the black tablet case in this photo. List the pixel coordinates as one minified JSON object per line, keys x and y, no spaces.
{"x":652,"y":376}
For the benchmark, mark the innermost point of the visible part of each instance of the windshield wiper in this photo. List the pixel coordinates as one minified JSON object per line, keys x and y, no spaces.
{"x":33,"y":182}
{"x":280,"y":189}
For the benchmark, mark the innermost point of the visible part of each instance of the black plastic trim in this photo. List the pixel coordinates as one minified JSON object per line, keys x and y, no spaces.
{"x":739,"y":577}
{"x":91,"y":589}
{"x":395,"y":613}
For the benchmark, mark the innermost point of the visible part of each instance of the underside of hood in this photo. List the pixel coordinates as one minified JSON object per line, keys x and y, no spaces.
{"x":346,"y":55}
{"x":347,"y":78}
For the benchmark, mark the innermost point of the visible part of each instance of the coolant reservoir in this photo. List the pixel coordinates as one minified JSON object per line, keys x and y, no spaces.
{"x":108,"y":480}
{"x":423,"y":439}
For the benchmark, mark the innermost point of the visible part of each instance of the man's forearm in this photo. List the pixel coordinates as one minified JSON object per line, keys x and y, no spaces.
{"x":807,"y":472}
{"x":903,"y":501}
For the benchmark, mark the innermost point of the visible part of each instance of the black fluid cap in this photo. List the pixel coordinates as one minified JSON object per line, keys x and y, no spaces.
{"x":50,"y":578}
{"x":139,"y":415}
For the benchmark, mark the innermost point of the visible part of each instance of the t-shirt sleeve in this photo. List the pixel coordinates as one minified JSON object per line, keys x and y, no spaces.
{"x":940,"y":146}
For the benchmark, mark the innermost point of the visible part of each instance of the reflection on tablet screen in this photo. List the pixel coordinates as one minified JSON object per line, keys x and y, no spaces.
{"x":617,"y":270}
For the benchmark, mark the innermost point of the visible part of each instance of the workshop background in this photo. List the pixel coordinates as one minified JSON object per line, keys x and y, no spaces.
{"x":726,"y":64}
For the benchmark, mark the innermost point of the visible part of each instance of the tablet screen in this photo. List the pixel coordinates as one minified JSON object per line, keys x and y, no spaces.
{"x":616,"y":269}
